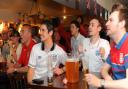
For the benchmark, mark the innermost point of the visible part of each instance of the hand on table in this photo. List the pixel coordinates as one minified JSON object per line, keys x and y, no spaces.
{"x":93,"y":80}
{"x":58,"y":71}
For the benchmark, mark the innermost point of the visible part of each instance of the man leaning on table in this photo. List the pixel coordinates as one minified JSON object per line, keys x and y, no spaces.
{"x":117,"y":61}
{"x":39,"y":55}
{"x":27,"y":44}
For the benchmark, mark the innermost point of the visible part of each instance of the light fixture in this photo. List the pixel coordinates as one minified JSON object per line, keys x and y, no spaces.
{"x":64,"y":17}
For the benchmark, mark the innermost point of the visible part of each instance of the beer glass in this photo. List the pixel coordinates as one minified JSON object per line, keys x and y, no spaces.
{"x":85,"y":63}
{"x":72,"y":70}
{"x":50,"y":70}
{"x":51,"y":63}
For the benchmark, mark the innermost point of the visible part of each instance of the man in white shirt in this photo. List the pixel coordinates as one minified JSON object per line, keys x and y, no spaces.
{"x":117,"y":61}
{"x":38,"y":67}
{"x":96,"y":49}
{"x":77,"y":39}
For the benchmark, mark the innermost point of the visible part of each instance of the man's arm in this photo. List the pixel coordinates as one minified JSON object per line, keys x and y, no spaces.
{"x":112,"y":84}
{"x":105,"y":71}
{"x":22,"y":69}
{"x":30,"y":75}
{"x":118,"y":84}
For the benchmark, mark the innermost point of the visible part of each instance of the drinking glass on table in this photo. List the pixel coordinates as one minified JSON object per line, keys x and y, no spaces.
{"x":51,"y":63}
{"x":85,"y":63}
{"x":72,"y":70}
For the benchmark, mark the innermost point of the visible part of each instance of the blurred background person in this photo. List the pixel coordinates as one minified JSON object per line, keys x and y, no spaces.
{"x":15,"y":46}
{"x":76,"y":39}
{"x":83,"y":28}
{"x":27,"y":44}
{"x":35,"y":34}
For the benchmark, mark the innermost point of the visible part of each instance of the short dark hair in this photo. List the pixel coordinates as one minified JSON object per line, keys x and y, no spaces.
{"x":123,"y":13}
{"x":117,"y":6}
{"x":29,"y":27}
{"x":15,"y":33}
{"x":82,"y":20}
{"x":48,"y":24}
{"x":76,"y":23}
{"x":35,"y":30}
{"x":100,"y":20}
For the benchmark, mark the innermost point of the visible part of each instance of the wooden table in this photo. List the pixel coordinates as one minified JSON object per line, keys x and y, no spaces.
{"x":58,"y":84}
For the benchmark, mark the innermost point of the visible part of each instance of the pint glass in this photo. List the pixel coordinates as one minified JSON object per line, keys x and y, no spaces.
{"x":72,"y":70}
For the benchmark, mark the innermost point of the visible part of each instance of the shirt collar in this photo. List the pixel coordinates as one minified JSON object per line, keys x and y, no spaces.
{"x":77,"y":36}
{"x":118,"y":46}
{"x":42,"y":47}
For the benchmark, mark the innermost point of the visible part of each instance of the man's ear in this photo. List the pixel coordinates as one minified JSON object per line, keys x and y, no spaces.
{"x":99,"y":28}
{"x":51,"y":33}
{"x":122,"y":23}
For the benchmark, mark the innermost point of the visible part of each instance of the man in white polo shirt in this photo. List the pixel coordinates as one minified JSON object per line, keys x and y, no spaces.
{"x":40,"y":53}
{"x":77,"y":39}
{"x":96,"y":49}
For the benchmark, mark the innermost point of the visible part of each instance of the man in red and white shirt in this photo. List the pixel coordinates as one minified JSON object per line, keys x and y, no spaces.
{"x":27,"y":44}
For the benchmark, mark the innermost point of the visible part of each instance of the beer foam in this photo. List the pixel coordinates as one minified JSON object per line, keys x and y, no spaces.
{"x":71,"y":60}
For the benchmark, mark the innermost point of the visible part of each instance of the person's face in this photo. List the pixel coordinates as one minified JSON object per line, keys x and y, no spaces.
{"x":5,"y":36}
{"x":94,"y":27}
{"x":25,"y":34}
{"x":113,"y":23}
{"x":73,"y":29}
{"x":44,"y":34}
{"x":15,"y":39}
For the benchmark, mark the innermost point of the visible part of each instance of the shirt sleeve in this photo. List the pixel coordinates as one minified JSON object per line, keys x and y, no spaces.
{"x":108,"y":61}
{"x":32,"y":60}
{"x":126,"y":61}
{"x":62,"y":57}
{"x":106,"y":46}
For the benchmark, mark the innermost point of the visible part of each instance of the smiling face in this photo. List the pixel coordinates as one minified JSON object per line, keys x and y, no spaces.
{"x":113,"y":23}
{"x":94,"y":27}
{"x":44,"y":34}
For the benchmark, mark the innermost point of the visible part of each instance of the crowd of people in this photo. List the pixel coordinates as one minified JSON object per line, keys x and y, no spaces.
{"x":29,"y":50}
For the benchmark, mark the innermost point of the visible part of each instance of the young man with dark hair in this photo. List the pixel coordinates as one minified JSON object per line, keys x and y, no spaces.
{"x":38,"y":67}
{"x":76,"y":39}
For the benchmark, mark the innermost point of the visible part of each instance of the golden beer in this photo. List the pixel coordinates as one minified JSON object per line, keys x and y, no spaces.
{"x":72,"y":71}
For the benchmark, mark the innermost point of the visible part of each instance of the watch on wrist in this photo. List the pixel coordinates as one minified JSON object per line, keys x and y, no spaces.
{"x":102,"y":83}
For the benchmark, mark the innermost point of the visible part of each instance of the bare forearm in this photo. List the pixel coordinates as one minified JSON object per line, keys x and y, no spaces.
{"x":30,"y":75}
{"x":22,"y":69}
{"x":105,"y":72}
{"x":106,"y":75}
{"x":117,"y":84}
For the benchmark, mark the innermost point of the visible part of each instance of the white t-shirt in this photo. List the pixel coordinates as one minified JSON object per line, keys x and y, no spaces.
{"x":38,"y":59}
{"x":92,"y":58}
{"x":75,"y":42}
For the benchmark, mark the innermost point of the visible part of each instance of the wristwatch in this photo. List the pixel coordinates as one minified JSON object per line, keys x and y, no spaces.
{"x":15,"y":70}
{"x":102,"y":83}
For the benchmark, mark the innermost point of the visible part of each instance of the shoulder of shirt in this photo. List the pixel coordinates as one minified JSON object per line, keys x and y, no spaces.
{"x":58,"y":48}
{"x":87,"y":39}
{"x":38,"y":45}
{"x":104,"y":40}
